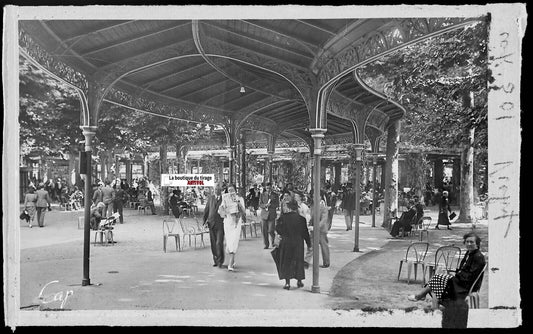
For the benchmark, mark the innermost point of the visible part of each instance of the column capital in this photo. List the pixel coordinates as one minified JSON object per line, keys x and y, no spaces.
{"x":88,"y":132}
{"x":317,"y":132}
{"x":358,"y":150}
{"x":88,"y":129}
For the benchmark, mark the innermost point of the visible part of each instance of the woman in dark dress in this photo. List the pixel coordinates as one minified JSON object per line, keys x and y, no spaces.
{"x":444,"y":209}
{"x":456,"y":287}
{"x":292,"y":229}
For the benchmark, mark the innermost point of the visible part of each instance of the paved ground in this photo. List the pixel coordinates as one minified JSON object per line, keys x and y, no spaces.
{"x":135,"y":273}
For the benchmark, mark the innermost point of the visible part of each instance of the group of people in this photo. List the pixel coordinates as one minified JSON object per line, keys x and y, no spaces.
{"x":36,"y":203}
{"x":110,"y":197}
{"x":415,"y":212}
{"x":285,"y":217}
{"x":224,"y":214}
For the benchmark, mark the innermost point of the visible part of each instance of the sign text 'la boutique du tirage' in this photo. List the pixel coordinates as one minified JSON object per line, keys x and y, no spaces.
{"x":187,"y":180}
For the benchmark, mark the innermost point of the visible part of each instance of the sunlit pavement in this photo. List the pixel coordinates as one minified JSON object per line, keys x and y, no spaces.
{"x":136,"y":274}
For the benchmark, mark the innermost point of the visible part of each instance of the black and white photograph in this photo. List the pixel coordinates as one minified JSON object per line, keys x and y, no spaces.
{"x":262,"y":166}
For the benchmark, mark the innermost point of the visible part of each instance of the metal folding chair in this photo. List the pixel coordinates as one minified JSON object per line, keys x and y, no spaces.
{"x":473,"y":295}
{"x":414,"y":256}
{"x":171,"y":228}
{"x":446,"y":257}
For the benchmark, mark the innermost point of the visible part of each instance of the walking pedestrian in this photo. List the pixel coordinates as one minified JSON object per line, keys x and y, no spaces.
{"x":30,"y":200}
{"x":120,"y":198}
{"x":58,"y":190}
{"x":303,"y":209}
{"x":292,"y":229}
{"x":444,"y":208}
{"x":233,"y":211}
{"x":98,"y":196}
{"x":323,"y":241}
{"x":150,"y":200}
{"x":253,"y":199}
{"x":216,"y":226}
{"x":108,"y":197}
{"x":268,"y":202}
{"x":42,"y":204}
{"x":348,"y":206}
{"x":330,"y":199}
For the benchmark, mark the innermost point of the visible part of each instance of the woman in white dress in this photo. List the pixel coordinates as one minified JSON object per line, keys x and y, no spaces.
{"x":233,"y":210}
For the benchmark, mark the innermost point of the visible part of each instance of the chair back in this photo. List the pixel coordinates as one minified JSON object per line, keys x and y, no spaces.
{"x":414,"y":222}
{"x":447,"y":256}
{"x":171,"y":226}
{"x":476,"y":286}
{"x":417,"y":251}
{"x":189,"y":225}
{"x":200,"y":227}
{"x":426,"y":221}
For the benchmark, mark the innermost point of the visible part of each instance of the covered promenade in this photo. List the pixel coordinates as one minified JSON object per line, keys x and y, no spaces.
{"x":283,"y":78}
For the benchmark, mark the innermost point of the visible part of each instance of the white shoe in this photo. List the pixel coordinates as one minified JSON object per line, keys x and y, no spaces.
{"x":230,"y":268}
{"x":29,"y":226}
{"x":413,"y":298}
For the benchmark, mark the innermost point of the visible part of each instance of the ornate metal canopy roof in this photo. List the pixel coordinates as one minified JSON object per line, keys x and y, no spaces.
{"x":194,"y":70}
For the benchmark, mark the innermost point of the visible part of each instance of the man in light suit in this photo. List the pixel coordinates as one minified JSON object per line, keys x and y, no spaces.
{"x":216,"y":226}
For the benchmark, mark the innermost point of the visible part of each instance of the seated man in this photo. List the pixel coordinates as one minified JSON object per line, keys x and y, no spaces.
{"x":405,"y":220}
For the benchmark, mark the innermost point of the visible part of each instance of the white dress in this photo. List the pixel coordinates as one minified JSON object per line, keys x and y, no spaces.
{"x":232,"y":228}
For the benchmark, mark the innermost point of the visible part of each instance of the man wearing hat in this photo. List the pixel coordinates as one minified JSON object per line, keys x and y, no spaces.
{"x":348,"y":205}
{"x":42,"y":204}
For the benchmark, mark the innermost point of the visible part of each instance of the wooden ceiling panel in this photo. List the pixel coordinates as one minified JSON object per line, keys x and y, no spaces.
{"x":93,"y":44}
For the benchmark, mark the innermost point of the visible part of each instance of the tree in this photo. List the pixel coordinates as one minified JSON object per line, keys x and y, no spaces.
{"x":49,"y":115}
{"x":434,"y":80}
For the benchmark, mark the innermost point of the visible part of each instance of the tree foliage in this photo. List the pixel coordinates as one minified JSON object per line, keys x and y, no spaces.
{"x":49,"y":114}
{"x":433,"y":80}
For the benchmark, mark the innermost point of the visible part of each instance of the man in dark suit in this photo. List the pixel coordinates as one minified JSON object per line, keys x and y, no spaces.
{"x":268,"y":202}
{"x":348,"y":205}
{"x":216,"y":226}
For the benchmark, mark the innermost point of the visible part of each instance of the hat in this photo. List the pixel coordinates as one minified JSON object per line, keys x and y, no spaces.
{"x":445,"y":193}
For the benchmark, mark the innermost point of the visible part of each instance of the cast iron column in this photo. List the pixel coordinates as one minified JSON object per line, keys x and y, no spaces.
{"x":243,"y":164}
{"x":231,"y":175}
{"x":374,"y":201}
{"x":358,"y":165}
{"x":88,"y":132}
{"x":270,"y":162}
{"x":317,"y":135}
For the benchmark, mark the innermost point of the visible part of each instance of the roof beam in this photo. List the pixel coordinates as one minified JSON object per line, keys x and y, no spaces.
{"x":308,"y":44}
{"x":208,"y":87}
{"x":296,"y":53}
{"x":214,"y":97}
{"x":129,"y":40}
{"x":63,"y":45}
{"x":254,"y":51}
{"x":140,"y":58}
{"x":186,"y":83}
{"x":168,"y":76}
{"x":307,"y":23}
{"x":111,"y":26}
